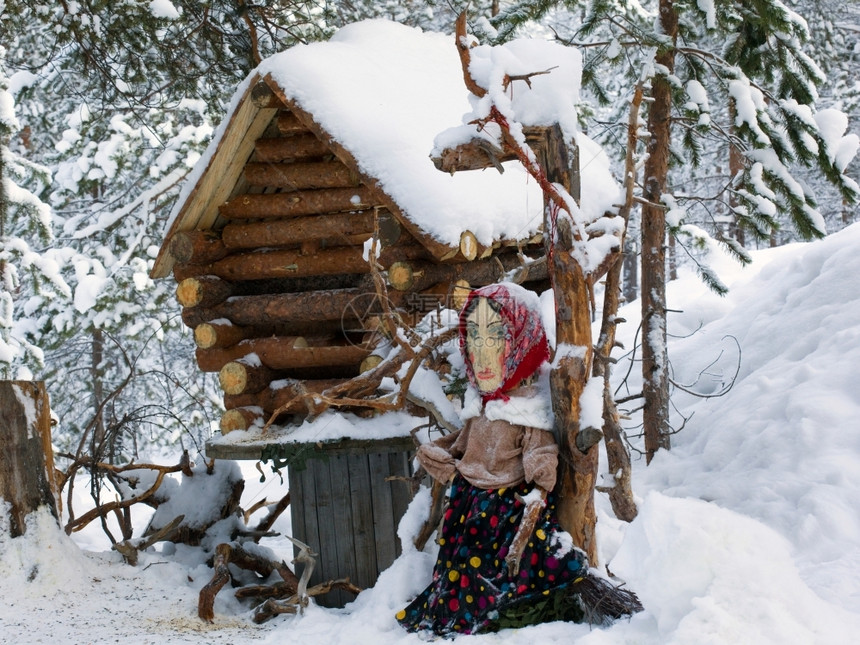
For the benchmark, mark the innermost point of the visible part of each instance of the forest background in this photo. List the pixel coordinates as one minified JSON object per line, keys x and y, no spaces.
{"x":105,"y":106}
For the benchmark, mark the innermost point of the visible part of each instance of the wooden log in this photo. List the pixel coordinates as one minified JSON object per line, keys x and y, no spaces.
{"x":197,"y":247}
{"x":298,"y":147}
{"x":300,"y":176}
{"x":245,"y":377}
{"x":203,"y":291}
{"x":295,"y":204}
{"x":27,"y":475}
{"x":292,"y":264}
{"x":280,"y":232}
{"x":214,"y":334}
{"x":289,"y":124}
{"x":287,"y":263}
{"x":469,"y":246}
{"x":279,"y":394}
{"x":369,"y":363}
{"x":279,"y":353}
{"x":418,"y":276}
{"x":479,"y":153}
{"x":451,"y":295}
{"x":578,"y":463}
{"x":241,"y":419}
{"x":295,"y":311}
{"x":263,"y":97}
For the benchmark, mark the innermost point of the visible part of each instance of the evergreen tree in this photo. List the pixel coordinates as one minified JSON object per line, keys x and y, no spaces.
{"x":727,"y":73}
{"x":25,"y":228}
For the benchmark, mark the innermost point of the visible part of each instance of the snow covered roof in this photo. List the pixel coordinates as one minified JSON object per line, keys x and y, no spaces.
{"x":380,"y":93}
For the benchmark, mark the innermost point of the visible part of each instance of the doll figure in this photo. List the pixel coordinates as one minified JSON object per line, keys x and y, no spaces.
{"x":502,"y":554}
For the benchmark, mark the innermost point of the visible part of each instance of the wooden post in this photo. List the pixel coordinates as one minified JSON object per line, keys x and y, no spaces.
{"x":577,"y":469}
{"x":27,"y":474}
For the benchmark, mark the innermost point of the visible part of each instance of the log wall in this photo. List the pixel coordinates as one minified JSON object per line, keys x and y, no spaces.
{"x":278,"y":288}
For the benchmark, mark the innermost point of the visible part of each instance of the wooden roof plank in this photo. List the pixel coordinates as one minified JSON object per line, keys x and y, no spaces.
{"x":221,"y":176}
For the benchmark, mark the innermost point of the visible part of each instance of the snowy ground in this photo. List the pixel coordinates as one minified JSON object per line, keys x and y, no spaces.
{"x":748,"y":530}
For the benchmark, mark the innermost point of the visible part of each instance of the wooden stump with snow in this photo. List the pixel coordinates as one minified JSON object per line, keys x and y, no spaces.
{"x":26,"y":478}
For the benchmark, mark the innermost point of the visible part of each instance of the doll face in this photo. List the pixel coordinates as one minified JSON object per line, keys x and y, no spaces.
{"x":486,"y":334}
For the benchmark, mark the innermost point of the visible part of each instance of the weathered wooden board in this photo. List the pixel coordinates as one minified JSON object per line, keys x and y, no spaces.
{"x":345,"y":510}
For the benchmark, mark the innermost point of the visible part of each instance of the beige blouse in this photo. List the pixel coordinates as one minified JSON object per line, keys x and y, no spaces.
{"x":493,"y":454}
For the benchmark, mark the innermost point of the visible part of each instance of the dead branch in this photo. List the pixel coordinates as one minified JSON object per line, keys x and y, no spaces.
{"x":461,"y":39}
{"x":99,"y":511}
{"x":437,"y":499}
{"x":618,"y":457}
{"x":206,"y":599}
{"x":274,"y":513}
{"x":254,"y":508}
{"x":129,"y":549}
{"x":346,"y":394}
{"x":233,"y":554}
{"x":292,"y":605}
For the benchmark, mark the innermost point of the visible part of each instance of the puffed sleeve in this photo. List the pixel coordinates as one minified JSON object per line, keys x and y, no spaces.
{"x":540,"y":457}
{"x":438,"y":457}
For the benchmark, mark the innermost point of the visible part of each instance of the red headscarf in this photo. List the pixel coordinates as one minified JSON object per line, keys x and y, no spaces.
{"x":526,"y":346}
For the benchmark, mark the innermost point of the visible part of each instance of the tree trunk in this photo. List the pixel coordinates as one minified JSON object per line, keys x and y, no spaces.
{"x":620,"y":490}
{"x":736,"y":165}
{"x":27,"y":474}
{"x":631,"y":271}
{"x":655,"y":365}
{"x":577,"y":469}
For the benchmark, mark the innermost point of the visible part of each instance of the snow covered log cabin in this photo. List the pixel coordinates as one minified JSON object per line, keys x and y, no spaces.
{"x":326,"y":148}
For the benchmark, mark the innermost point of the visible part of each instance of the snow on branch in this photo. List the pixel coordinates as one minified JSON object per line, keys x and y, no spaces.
{"x":501,"y":108}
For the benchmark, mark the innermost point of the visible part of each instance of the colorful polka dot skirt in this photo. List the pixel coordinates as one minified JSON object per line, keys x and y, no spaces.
{"x":471,"y":582}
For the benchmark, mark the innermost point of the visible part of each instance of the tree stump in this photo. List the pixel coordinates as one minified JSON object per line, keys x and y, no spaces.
{"x":26,"y":478}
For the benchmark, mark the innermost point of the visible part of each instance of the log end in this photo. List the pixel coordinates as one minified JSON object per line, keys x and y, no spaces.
{"x":241,"y":419}
{"x":369,"y":363}
{"x":400,"y":276}
{"x":205,"y":336}
{"x":459,"y":293}
{"x":233,"y":378}
{"x":469,"y":246}
{"x":189,"y":292}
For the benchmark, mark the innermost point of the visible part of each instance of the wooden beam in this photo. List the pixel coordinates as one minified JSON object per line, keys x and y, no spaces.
{"x":418,"y":276}
{"x":241,"y":419}
{"x":479,"y":153}
{"x":197,"y":247}
{"x":219,"y":335}
{"x":203,"y":291}
{"x":286,"y":263}
{"x":276,"y":233}
{"x":272,"y":398}
{"x":220,"y":177}
{"x":279,"y":353}
{"x":242,"y":376}
{"x":288,"y":124}
{"x":306,"y":307}
{"x":295,"y":204}
{"x":295,"y":148}
{"x":300,"y":176}
{"x":263,"y":97}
